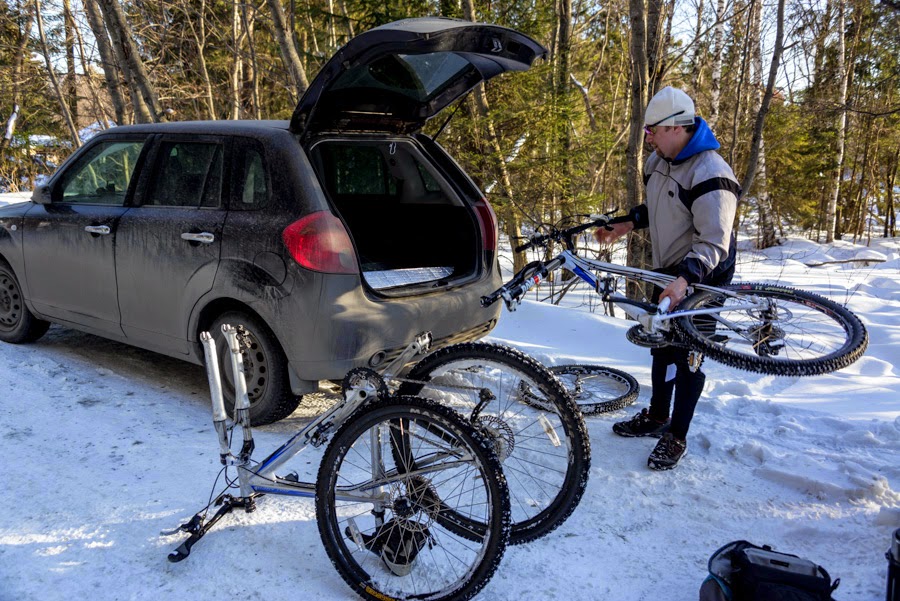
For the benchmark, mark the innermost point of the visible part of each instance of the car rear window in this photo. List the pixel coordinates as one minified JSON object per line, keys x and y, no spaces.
{"x":189,"y":175}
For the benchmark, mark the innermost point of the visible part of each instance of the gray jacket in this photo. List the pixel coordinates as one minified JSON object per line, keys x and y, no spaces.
{"x":691,"y":202}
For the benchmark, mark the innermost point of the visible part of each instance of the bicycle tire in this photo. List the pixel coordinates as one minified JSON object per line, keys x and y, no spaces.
{"x":545,"y":451}
{"x":594,"y":388}
{"x":444,"y":567}
{"x":804,"y":334}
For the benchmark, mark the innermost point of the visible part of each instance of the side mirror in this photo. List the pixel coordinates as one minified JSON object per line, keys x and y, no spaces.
{"x":42,"y":195}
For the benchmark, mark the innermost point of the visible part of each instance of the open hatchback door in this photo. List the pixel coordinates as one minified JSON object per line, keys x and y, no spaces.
{"x":394,"y":78}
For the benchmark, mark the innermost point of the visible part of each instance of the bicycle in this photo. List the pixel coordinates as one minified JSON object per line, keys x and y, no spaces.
{"x":411,"y":500}
{"x":594,"y":388}
{"x":763,"y":328}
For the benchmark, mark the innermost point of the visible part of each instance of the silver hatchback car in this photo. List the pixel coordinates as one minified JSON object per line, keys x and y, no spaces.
{"x":330,"y":240}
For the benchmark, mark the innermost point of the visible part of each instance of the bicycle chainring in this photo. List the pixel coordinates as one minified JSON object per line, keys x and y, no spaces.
{"x":638,"y":335}
{"x":367,"y":380}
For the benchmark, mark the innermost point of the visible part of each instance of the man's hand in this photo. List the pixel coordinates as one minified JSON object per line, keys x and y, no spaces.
{"x":611,"y":233}
{"x":675,"y":291}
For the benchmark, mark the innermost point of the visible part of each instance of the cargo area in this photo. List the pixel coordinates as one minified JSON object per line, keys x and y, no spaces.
{"x":407,"y":224}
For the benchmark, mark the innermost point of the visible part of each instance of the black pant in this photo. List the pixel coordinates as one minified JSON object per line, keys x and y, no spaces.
{"x":670,"y":373}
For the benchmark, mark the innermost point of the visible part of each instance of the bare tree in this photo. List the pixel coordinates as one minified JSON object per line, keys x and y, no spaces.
{"x":756,"y":163}
{"x":511,"y":218}
{"x":715,"y":82}
{"x":288,"y":50}
{"x":107,"y":59}
{"x":146,"y":104}
{"x":63,"y":105}
{"x":197,"y":24}
{"x":71,"y":76}
{"x":24,"y":34}
{"x":835,"y":190}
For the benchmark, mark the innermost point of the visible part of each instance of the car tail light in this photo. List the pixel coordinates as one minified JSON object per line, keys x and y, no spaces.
{"x":320,"y":242}
{"x":488,"y":221}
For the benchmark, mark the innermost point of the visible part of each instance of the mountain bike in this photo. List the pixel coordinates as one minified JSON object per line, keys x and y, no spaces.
{"x":411,"y":501}
{"x":763,"y":328}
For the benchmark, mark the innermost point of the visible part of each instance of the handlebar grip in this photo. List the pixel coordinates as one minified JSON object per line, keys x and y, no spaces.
{"x":525,"y":246}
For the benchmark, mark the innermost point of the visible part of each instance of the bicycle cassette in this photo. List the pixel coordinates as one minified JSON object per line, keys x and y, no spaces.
{"x":638,"y":335}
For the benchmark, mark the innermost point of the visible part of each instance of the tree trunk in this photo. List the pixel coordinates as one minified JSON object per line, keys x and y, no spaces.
{"x":99,"y":109}
{"x":756,"y":163}
{"x":890,"y":215}
{"x":751,"y":170}
{"x":253,"y":74}
{"x":107,"y":59}
{"x":146,"y":103}
{"x":288,"y":50}
{"x":831,"y":208}
{"x":715,"y":82}
{"x":638,"y":245}
{"x":71,"y":76}
{"x":508,"y":212}
{"x":19,"y":61}
{"x":697,"y":63}
{"x":198,"y":31}
{"x":237,"y":61}
{"x":60,"y":96}
{"x":562,"y":87}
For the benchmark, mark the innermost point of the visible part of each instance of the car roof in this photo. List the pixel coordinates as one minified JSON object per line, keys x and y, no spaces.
{"x":223,"y":126}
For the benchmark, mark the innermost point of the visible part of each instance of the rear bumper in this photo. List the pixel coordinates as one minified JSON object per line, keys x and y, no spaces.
{"x":349,"y":329}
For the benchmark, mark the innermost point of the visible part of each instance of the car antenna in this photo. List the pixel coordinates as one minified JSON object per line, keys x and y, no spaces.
{"x":447,"y":120}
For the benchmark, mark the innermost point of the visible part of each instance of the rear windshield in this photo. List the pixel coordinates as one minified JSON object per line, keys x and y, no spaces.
{"x":418,"y":76}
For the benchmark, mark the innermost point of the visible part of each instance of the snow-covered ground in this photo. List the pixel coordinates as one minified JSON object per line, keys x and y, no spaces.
{"x":106,"y":445}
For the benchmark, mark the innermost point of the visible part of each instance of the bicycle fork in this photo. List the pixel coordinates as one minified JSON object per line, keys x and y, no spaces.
{"x":198,"y":526}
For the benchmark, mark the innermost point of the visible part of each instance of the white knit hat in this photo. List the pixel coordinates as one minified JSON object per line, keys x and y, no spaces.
{"x":670,"y":106}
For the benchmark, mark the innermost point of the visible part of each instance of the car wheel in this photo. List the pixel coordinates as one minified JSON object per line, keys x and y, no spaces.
{"x":17,"y":323}
{"x":265,"y":369}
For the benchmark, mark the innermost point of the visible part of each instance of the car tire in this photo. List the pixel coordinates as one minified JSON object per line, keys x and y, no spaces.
{"x":265,"y":369}
{"x":17,"y":323}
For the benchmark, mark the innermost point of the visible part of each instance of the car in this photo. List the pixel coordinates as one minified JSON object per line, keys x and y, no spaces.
{"x":329,"y":241}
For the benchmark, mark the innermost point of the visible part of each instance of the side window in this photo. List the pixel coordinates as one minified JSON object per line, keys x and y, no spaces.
{"x":252,"y":185}
{"x":103,"y":175}
{"x":189,"y":175}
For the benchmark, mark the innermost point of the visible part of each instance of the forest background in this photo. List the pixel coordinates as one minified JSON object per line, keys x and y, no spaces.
{"x":804,"y":95}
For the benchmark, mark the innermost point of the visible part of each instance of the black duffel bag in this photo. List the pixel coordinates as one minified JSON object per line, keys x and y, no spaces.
{"x":742,"y":571}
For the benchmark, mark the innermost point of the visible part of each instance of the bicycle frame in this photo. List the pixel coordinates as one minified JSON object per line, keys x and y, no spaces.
{"x":652,"y":320}
{"x":262,"y":478}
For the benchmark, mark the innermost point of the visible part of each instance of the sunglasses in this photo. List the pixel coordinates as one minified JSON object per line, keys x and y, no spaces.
{"x":648,"y":129}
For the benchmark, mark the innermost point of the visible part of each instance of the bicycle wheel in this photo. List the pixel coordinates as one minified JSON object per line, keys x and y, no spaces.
{"x":381,"y":520}
{"x":796,"y":334}
{"x":594,"y":388}
{"x":544,"y":446}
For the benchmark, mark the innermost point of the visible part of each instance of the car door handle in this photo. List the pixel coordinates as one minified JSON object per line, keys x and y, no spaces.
{"x":103,"y":230}
{"x":204,"y":237}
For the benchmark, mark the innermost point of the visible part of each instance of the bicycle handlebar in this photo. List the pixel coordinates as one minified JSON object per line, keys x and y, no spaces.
{"x":565,"y":234}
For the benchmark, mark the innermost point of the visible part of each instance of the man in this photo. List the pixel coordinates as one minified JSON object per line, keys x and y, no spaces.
{"x":691,"y":201}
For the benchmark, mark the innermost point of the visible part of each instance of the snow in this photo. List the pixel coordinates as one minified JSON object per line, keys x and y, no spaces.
{"x":107,"y":445}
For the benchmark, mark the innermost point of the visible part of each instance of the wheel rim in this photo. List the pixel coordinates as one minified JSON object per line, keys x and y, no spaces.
{"x":256,"y":365}
{"x":412,"y":505}
{"x":531,"y":436}
{"x":10,"y":302}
